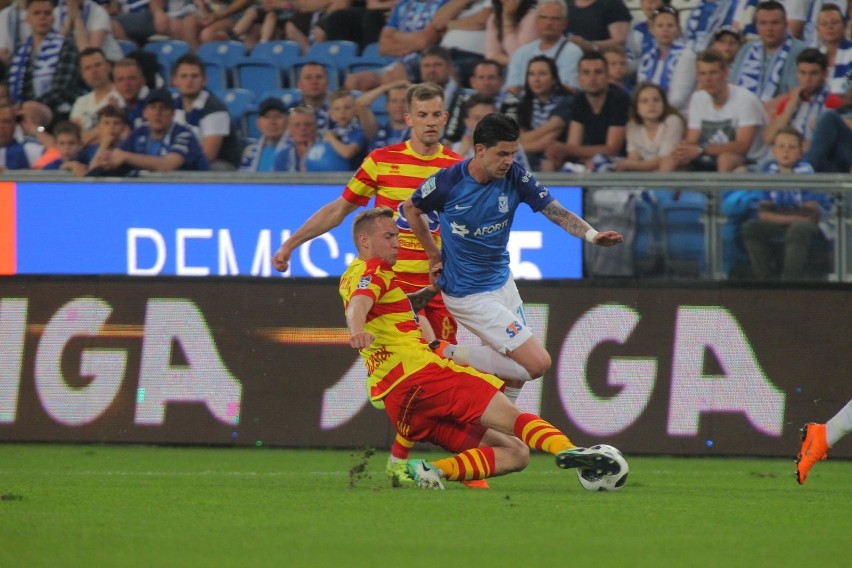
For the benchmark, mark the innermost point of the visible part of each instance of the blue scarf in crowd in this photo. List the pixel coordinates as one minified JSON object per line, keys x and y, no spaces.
{"x":705,"y":19}
{"x":44,"y":66}
{"x":751,"y":69}
{"x":651,"y":59}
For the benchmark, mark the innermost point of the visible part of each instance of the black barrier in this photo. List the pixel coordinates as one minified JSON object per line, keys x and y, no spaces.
{"x":711,"y":370}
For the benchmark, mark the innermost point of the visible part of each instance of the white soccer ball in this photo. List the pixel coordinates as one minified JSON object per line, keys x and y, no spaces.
{"x":592,"y":481}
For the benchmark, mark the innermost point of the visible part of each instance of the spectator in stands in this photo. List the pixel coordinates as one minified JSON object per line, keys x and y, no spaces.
{"x":413,"y":26}
{"x":797,"y":217}
{"x":216,"y":25}
{"x":725,"y":122}
{"x":112,"y":130}
{"x":831,"y":143}
{"x":95,"y":69}
{"x":476,"y":107}
{"x":345,"y":136}
{"x":597,"y":121}
{"x":89,"y":24}
{"x":707,"y":17}
{"x":69,"y":143}
{"x":465,"y":37}
{"x":487,"y":80}
{"x":543,"y":110}
{"x":618,"y":67}
{"x":831,"y":25}
{"x":511,"y":25}
{"x":15,"y":155}
{"x":205,"y":114}
{"x":436,"y":66}
{"x":136,"y":22}
{"x":301,"y":22}
{"x":338,"y":25}
{"x":727,"y":41}
{"x":595,"y":24}
{"x":654,"y":130}
{"x":45,"y":68}
{"x":313,"y":84}
{"x":272,"y":124}
{"x":162,"y":145}
{"x":551,"y":22}
{"x":301,"y":137}
{"x":668,"y":63}
{"x":16,"y":30}
{"x":180,"y":21}
{"x":766,"y":66}
{"x":130,"y":83}
{"x":640,"y":40}
{"x":800,"y":107}
{"x":810,"y":32}
{"x":392,"y":130}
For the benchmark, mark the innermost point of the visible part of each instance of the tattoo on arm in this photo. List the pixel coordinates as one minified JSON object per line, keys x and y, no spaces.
{"x":566,"y":219}
{"x":421,"y":298}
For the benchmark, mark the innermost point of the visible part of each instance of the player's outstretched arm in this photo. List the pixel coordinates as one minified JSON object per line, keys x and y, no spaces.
{"x":356,"y":316}
{"x":326,"y":218}
{"x":578,"y":227}
{"x":420,"y":228}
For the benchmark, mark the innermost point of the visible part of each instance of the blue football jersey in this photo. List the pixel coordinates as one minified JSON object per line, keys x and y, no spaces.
{"x":476,"y":220}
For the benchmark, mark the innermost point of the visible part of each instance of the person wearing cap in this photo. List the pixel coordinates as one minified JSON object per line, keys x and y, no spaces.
{"x":160,"y":145}
{"x":272,"y":123}
{"x":831,"y":143}
{"x":727,"y":40}
{"x":707,"y":17}
{"x":766,"y":66}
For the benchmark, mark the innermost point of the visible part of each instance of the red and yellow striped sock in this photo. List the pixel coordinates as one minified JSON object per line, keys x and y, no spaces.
{"x":476,"y":463}
{"x":540,"y":434}
{"x":401,"y":447}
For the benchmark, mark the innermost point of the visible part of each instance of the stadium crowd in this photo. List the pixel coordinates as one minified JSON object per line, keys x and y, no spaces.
{"x":115,"y":87}
{"x":281,"y":85}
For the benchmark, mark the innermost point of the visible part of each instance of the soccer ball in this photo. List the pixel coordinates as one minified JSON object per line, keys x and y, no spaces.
{"x":592,"y":481}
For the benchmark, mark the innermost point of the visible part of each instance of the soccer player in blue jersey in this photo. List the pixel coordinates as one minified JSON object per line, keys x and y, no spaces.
{"x":476,"y":200}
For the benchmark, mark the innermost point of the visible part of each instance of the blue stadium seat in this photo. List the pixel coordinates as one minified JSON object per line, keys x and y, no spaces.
{"x":222,"y":52}
{"x":217,"y":77}
{"x":682,"y":215}
{"x":240,"y":102}
{"x":369,"y":60}
{"x":281,"y":53}
{"x":127,"y":46}
{"x":340,"y":52}
{"x":256,"y":74}
{"x":290,"y":97}
{"x":167,"y":52}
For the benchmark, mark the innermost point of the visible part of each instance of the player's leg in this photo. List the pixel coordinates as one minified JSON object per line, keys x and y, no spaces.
{"x":817,"y":439}
{"x":510,"y":350}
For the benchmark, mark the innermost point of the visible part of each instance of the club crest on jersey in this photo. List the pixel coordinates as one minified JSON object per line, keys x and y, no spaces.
{"x":503,"y":204}
{"x":427,"y":187}
{"x":364,"y":283}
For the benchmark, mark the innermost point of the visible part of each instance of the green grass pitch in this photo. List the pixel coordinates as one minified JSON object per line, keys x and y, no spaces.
{"x":91,"y":505}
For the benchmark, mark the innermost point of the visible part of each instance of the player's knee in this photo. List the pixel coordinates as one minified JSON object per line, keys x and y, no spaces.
{"x":540,"y":365}
{"x":518,"y":456}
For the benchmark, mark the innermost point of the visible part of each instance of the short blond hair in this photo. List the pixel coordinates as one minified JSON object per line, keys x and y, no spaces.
{"x":365,"y":221}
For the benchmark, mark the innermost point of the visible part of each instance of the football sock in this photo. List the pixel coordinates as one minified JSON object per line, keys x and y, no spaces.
{"x":476,"y":463}
{"x":401,"y":448}
{"x":512,"y":393}
{"x":839,"y":425}
{"x":484,"y":358}
{"x":540,"y":434}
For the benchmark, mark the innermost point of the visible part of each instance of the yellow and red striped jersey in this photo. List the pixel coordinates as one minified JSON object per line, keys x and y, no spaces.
{"x":392,"y":174}
{"x":398,"y":349}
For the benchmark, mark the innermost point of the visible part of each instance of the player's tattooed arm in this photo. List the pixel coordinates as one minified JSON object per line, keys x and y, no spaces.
{"x":422,"y":297}
{"x":566,"y":219}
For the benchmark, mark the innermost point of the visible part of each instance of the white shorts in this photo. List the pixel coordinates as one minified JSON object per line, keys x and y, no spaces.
{"x":496,"y":317}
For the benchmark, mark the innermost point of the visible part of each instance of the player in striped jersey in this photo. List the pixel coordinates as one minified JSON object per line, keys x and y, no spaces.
{"x":391,"y":174}
{"x":430,"y":398}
